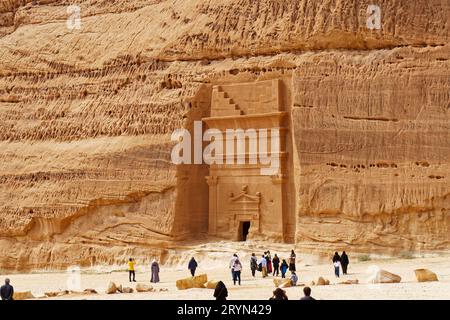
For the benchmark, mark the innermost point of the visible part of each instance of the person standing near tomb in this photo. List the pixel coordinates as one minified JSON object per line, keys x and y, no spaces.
{"x":253,"y":264}
{"x":276,"y":265}
{"x":292,"y":261}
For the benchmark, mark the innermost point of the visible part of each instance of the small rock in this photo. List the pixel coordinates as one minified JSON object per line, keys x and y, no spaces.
{"x":89,"y":291}
{"x":349,"y":282}
{"x":383,"y":276}
{"x":112,"y":288}
{"x":140,"y":287}
{"x":425,"y":275}
{"x":127,"y":290}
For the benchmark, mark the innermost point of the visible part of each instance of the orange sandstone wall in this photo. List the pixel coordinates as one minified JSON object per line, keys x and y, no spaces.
{"x":86,"y":117}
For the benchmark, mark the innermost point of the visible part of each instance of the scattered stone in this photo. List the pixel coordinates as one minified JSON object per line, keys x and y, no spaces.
{"x":140,"y":287}
{"x":282,"y":283}
{"x":211,"y":284}
{"x":127,"y":290}
{"x":312,"y":283}
{"x":425,"y":275}
{"x":56,"y":293}
{"x":112,"y":288}
{"x":163,"y":289}
{"x":89,"y":291}
{"x":322,"y":281}
{"x":383,"y":276}
{"x":119,"y":288}
{"x":23,"y":295}
{"x":356,"y":281}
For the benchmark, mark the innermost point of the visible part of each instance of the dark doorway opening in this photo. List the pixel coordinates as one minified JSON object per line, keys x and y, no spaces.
{"x":245,"y":227}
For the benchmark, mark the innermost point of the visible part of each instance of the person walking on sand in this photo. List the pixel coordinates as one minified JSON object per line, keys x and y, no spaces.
{"x":292,"y":261}
{"x":263,"y":264}
{"x":284,"y":267}
{"x":279,"y":294}
{"x":237,"y":268}
{"x":253,"y":264}
{"x":192,"y":266}
{"x":7,"y":291}
{"x":344,"y":262}
{"x":221,"y":292}
{"x":276,"y":265}
{"x":231,"y":264}
{"x":307,"y":293}
{"x":131,"y":271}
{"x":155,"y":271}
{"x":336,"y":264}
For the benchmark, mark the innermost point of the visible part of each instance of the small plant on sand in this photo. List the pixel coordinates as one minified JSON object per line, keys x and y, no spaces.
{"x":406,"y":255}
{"x":364,"y":257}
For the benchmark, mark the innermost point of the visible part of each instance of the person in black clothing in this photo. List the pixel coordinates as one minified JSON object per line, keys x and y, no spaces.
{"x":307,"y":292}
{"x":336,"y":257}
{"x":279,"y":294}
{"x":7,"y":291}
{"x":276,"y":265}
{"x":221,"y":292}
{"x":344,"y":262}
{"x":192,"y":266}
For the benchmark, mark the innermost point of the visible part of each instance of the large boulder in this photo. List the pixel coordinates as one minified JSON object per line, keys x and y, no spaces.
{"x":192,"y":282}
{"x":425,"y":275}
{"x":23,"y":295}
{"x":200,"y":280}
{"x":140,"y":287}
{"x":211,"y":284}
{"x":383,"y":276}
{"x":112,"y":288}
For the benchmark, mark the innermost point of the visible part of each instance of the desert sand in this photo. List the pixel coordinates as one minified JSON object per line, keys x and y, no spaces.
{"x":213,"y":260}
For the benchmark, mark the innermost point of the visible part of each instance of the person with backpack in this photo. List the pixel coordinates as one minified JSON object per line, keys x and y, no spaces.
{"x":263,"y":266}
{"x":336,"y":264}
{"x":253,"y":264}
{"x":237,"y":268}
{"x":231,"y":264}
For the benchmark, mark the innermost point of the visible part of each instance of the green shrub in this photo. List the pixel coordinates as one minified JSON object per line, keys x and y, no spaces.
{"x":406,"y":255}
{"x":364,"y":257}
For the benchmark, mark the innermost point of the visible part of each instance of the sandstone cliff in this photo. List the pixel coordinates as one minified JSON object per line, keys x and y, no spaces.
{"x":86,"y":118}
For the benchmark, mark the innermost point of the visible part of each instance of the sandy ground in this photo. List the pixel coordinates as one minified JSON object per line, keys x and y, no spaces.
{"x":214,"y":262}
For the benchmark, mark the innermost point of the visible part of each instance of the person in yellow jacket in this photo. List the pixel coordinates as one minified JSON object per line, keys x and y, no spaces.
{"x":131,"y":264}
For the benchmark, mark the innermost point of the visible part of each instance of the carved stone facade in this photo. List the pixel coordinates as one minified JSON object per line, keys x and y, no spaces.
{"x":244,"y":202}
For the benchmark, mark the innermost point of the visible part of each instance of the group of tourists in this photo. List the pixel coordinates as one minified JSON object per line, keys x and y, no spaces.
{"x":154,"y":266}
{"x":272,"y":266}
{"x":340,"y":261}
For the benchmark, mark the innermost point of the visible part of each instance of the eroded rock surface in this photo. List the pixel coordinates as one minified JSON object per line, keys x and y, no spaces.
{"x":86,"y":117}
